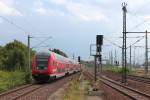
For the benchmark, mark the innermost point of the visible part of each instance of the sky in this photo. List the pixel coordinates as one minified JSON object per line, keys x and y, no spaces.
{"x":73,"y":24}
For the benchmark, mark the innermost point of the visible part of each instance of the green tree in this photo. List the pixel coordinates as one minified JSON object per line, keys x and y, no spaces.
{"x":16,"y":60}
{"x":14,"y":55}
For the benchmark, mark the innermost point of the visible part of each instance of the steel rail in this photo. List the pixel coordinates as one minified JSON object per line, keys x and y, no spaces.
{"x":128,"y":91}
{"x":14,"y":90}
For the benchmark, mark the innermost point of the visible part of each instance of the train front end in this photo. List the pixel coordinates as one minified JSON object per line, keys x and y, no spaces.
{"x":41,"y":67}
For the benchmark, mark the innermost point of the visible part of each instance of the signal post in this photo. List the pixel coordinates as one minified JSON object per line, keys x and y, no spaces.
{"x":97,"y":55}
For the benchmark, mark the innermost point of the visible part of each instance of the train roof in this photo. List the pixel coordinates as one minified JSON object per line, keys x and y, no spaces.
{"x":64,"y":59}
{"x":43,"y":53}
{"x":57,"y":57}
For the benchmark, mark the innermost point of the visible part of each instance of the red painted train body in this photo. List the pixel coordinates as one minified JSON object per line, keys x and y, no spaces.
{"x":49,"y":65}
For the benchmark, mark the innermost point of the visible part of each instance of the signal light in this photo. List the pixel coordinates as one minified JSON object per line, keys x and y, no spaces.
{"x":99,"y":40}
{"x":78,"y":58}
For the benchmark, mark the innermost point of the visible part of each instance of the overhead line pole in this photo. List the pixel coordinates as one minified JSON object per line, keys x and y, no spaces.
{"x":115,"y":57}
{"x":130,"y":58}
{"x":111,"y":58}
{"x":134,"y":56}
{"x":29,"y":53}
{"x":124,"y":63}
{"x":146,"y":54}
{"x":146,"y":50}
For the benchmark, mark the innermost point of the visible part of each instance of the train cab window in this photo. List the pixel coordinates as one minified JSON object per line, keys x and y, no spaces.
{"x":42,"y":62}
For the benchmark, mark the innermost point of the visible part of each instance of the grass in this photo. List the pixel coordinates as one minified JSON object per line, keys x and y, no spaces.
{"x":115,"y":69}
{"x":10,"y":80}
{"x":76,"y":90}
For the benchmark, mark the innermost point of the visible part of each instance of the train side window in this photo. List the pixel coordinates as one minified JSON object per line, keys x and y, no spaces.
{"x":55,"y":63}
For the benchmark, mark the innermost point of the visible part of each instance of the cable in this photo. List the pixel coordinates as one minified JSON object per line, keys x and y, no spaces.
{"x":135,"y":14}
{"x":42,"y":42}
{"x":133,"y":37}
{"x":12,"y":23}
{"x":136,"y":26}
{"x":22,"y":29}
{"x":43,"y":46}
{"x":112,"y":42}
{"x":143,"y":6}
{"x":136,"y":41}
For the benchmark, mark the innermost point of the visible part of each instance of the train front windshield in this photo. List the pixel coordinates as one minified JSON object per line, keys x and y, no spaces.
{"x":41,"y":62}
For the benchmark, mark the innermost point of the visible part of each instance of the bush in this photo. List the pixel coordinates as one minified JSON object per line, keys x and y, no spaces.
{"x":28,"y":77}
{"x":10,"y":80}
{"x":116,"y":69}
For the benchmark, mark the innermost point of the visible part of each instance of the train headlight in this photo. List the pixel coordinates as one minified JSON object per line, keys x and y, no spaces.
{"x":37,"y":68}
{"x":45,"y":68}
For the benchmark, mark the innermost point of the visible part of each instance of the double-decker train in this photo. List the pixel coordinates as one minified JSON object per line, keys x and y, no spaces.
{"x":47,"y":66}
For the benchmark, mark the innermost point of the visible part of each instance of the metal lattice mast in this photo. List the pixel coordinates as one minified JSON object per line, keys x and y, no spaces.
{"x":146,"y":54}
{"x":124,"y":61}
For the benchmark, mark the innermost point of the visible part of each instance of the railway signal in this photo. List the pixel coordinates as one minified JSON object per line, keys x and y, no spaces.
{"x":97,"y":55}
{"x":99,"y":42}
{"x":79,"y":59}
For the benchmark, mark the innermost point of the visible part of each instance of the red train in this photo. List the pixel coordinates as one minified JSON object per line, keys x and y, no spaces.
{"x":49,"y":65}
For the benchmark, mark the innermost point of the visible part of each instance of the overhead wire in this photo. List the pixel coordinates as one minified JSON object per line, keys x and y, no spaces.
{"x":24,"y":30}
{"x":133,"y":37}
{"x":139,"y":24}
{"x":43,"y":46}
{"x":135,"y":14}
{"x":136,"y":41}
{"x":14,"y":24}
{"x":42,"y":42}
{"x":112,"y":42}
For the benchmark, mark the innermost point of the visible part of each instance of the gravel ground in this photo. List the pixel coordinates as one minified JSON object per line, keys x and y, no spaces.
{"x":134,"y":84}
{"x":48,"y":89}
{"x":111,"y":94}
{"x":42,"y":92}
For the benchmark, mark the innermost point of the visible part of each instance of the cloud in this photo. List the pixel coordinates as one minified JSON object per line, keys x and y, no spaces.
{"x":47,"y":12}
{"x":42,"y":10}
{"x":81,"y":10}
{"x":86,"y":12}
{"x":9,"y":10}
{"x":59,"y":2}
{"x":39,"y":8}
{"x":1,"y":20}
{"x":146,"y":17}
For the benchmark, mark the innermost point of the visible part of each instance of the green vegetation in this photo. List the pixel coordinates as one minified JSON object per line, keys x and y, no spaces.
{"x":13,"y":65}
{"x":115,"y":69}
{"x":73,"y":92}
{"x":9,"y":79}
{"x":77,"y":89}
{"x":14,"y":56}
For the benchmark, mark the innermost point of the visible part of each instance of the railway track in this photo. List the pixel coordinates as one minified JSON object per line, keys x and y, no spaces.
{"x":131,"y":77}
{"x":36,"y":91}
{"x":139,"y":79}
{"x":17,"y":93}
{"x":123,"y":89}
{"x":7,"y":92}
